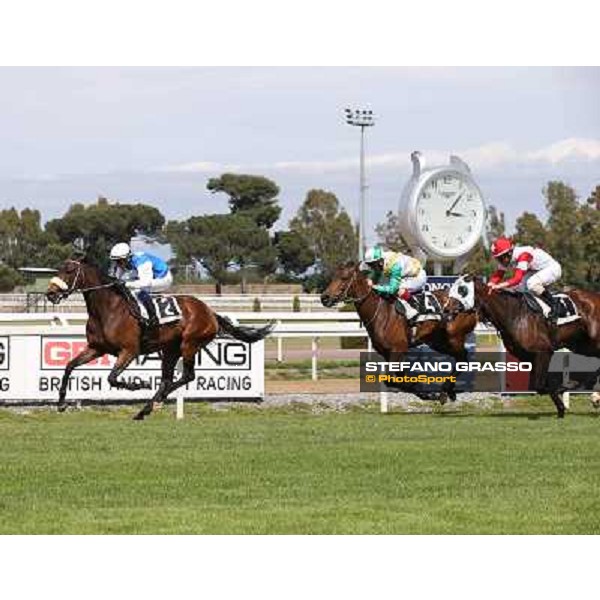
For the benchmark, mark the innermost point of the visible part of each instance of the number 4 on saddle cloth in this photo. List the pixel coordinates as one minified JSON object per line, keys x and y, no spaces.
{"x":166,"y":307}
{"x":423,"y":306}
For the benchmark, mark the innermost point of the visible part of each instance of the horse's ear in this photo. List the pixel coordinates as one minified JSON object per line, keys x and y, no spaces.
{"x":468,"y":277}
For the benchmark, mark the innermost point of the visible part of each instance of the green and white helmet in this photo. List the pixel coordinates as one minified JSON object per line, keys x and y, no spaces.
{"x":373,"y":254}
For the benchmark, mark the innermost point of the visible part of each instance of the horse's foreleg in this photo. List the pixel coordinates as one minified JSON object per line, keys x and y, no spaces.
{"x":84,"y":357}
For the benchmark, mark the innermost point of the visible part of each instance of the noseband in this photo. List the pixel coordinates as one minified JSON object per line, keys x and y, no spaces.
{"x":66,"y":290}
{"x":343,"y":297}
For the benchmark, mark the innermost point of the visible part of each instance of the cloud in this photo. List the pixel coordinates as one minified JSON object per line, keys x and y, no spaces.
{"x":569,"y":149}
{"x":486,"y":156}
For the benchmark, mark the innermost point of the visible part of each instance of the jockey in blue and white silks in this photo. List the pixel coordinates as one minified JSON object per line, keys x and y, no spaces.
{"x":153,"y":274}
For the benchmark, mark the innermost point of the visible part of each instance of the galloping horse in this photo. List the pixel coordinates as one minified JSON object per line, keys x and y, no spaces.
{"x":391,"y":333}
{"x":112,"y":329}
{"x":527,"y":335}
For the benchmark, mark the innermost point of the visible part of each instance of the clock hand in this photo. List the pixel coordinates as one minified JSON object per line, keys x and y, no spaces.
{"x":454,"y":204}
{"x":453,"y":214}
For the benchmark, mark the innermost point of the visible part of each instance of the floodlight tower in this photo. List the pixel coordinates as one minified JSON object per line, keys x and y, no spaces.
{"x":361,"y":118}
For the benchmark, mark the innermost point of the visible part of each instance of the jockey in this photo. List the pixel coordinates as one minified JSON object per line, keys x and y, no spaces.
{"x":153,"y":274}
{"x":405,"y":274}
{"x":534,"y":269}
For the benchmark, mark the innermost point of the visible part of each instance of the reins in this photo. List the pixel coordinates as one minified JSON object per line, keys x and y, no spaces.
{"x":65,"y":293}
{"x":344,"y":298}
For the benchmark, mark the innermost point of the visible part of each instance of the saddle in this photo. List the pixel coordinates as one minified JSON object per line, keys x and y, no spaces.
{"x":423,"y":306}
{"x":567,"y":310}
{"x":167,"y":308}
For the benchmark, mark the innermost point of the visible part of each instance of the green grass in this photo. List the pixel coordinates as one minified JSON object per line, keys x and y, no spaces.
{"x":301,"y":470}
{"x":302,"y":369}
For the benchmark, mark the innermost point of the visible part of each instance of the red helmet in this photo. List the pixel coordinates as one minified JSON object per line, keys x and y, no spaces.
{"x":501,"y":246}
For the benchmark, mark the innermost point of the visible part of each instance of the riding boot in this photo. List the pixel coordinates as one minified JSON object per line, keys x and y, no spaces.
{"x":150,"y":325}
{"x":547,"y":297}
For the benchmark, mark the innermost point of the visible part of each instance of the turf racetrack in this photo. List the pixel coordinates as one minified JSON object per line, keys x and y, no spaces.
{"x":301,"y":470}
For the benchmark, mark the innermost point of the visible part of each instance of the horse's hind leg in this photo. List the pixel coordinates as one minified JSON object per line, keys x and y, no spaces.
{"x":188,"y":353}
{"x":539,"y":381}
{"x":170,"y":358}
{"x":124,"y":359}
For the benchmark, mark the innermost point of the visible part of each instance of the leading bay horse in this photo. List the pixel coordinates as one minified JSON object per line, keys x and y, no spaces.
{"x":391,"y":333}
{"x":112,"y":329}
{"x":528,"y":335}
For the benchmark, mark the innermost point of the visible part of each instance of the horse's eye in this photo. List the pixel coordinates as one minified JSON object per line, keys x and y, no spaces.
{"x":463,"y":290}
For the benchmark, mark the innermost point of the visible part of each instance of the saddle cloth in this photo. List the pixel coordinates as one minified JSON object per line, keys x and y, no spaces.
{"x":167,"y":309}
{"x":422,"y":307}
{"x":567,"y":311}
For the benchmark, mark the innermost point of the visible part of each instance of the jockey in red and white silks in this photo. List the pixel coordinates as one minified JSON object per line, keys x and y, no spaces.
{"x":534,"y":269}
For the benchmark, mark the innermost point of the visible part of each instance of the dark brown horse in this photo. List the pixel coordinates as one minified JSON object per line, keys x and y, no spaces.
{"x":528,"y":335}
{"x":112,"y":329}
{"x":391,"y":333}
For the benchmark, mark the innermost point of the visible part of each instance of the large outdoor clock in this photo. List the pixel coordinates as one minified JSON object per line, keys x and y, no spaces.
{"x":442,"y":210}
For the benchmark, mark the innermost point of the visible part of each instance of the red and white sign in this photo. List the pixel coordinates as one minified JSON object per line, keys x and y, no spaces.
{"x":31,"y":369}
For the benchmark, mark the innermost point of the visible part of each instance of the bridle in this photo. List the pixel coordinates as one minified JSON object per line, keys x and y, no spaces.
{"x":345,"y":299}
{"x":65,"y":290}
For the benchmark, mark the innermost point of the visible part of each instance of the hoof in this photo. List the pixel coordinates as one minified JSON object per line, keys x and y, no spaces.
{"x":139,"y":417}
{"x":62,"y":406}
{"x":443,"y":398}
{"x":560,"y":415}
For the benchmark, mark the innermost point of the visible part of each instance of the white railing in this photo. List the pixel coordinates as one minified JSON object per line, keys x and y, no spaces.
{"x":246,"y":302}
{"x":314,"y":325}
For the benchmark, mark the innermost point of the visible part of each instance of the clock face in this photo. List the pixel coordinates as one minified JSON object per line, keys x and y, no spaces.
{"x":449,"y":213}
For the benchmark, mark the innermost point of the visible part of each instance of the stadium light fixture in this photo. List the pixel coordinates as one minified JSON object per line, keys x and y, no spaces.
{"x":361,"y":118}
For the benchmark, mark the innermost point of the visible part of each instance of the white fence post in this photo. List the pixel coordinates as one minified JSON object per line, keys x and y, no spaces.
{"x":566,"y":396}
{"x":279,"y":346}
{"x":179,"y":398}
{"x":384,"y":401}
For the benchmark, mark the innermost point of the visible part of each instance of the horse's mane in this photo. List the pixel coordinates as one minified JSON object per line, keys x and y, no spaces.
{"x":514,"y":304}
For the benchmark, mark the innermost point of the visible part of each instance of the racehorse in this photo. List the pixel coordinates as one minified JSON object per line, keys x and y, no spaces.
{"x":390,"y":333}
{"x":528,"y":335}
{"x":113,"y":329}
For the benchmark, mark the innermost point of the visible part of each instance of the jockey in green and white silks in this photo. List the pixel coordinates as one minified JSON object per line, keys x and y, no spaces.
{"x":403,"y":274}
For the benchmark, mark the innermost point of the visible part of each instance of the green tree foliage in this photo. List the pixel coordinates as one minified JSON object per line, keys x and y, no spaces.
{"x":9,"y":278}
{"x":590,"y":240}
{"x":480,"y":261}
{"x":293,"y":252}
{"x":564,"y":231}
{"x":97,"y":227}
{"x":222,"y":244}
{"x":327,"y":228}
{"x":24,"y":243}
{"x":389,"y":233}
{"x":530,"y":231}
{"x":252,"y":195}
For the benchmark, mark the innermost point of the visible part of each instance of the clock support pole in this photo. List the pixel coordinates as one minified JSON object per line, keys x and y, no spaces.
{"x":437,"y":268}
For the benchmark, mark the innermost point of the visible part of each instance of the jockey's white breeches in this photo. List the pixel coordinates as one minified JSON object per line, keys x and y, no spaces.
{"x":414,"y":284}
{"x":536,"y":281}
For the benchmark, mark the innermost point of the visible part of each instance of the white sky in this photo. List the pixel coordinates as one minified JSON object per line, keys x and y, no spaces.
{"x":157,"y":134}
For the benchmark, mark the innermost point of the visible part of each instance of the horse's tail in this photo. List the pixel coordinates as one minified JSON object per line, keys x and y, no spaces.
{"x":242,"y":332}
